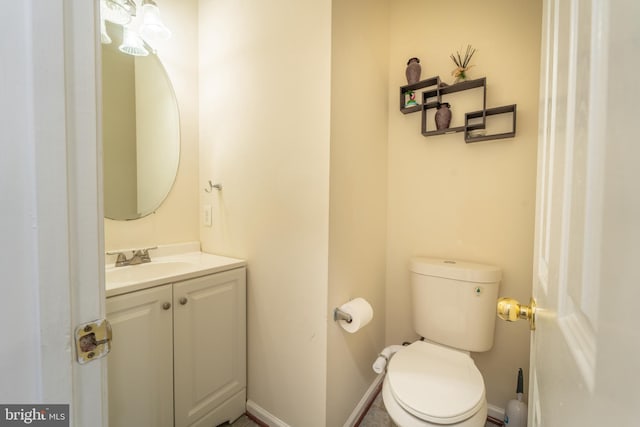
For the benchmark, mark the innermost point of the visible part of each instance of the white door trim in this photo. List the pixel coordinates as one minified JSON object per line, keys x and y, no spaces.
{"x":68,"y":197}
{"x":84,"y":144}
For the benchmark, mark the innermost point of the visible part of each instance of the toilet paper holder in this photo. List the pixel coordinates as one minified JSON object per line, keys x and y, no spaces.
{"x":341,"y":315}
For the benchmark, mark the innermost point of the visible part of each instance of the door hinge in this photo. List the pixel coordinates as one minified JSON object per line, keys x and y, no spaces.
{"x":93,"y":340}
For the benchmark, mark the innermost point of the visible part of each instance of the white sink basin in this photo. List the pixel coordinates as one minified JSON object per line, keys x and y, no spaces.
{"x":145,"y":272}
{"x":164,"y":270}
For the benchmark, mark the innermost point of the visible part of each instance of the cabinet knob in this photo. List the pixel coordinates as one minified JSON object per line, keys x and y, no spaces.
{"x":183,"y":300}
{"x":166,"y":306}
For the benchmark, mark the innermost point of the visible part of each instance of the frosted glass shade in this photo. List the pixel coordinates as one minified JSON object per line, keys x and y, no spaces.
{"x":118,"y":12}
{"x":132,"y":44}
{"x":152,"y":26}
{"x":104,"y":36}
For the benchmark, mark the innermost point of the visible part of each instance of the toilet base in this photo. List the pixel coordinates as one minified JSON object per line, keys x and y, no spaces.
{"x":403,"y":418}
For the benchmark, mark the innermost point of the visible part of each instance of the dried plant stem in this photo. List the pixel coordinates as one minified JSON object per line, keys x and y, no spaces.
{"x":459,"y":61}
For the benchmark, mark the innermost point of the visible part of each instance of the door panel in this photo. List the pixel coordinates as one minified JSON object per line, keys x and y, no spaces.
{"x":584,"y":259}
{"x":210,"y":345}
{"x":141,"y":360}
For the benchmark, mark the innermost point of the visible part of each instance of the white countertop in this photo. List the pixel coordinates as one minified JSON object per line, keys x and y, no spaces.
{"x":168,"y":265}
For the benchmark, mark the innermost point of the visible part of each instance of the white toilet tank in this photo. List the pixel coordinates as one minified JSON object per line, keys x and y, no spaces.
{"x":454,"y":302}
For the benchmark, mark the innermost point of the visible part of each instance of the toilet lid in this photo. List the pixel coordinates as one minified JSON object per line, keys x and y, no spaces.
{"x":435,"y":383}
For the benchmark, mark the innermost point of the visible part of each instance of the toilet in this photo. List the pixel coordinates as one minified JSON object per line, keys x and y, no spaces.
{"x":434,"y":381}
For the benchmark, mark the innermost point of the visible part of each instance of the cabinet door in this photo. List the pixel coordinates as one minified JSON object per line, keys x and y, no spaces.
{"x":210,"y":348}
{"x":140,"y":363}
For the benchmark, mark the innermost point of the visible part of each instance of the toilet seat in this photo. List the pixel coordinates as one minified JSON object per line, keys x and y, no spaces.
{"x":435,"y":383}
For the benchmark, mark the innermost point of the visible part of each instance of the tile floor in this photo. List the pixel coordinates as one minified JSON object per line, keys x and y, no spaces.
{"x":244,"y":421}
{"x":376,"y":417}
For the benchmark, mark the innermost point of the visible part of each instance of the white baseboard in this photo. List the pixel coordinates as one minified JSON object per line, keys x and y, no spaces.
{"x":263,"y":415}
{"x":363,"y":405}
{"x":495,"y":412}
{"x":272,"y":421}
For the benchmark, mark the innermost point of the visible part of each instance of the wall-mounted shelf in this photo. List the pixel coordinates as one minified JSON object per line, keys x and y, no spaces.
{"x":431,"y":99}
{"x":474,"y":121}
{"x":405,"y":90}
{"x":507,"y":109}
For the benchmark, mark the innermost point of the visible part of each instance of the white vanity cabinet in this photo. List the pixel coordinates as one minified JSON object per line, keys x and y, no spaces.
{"x":179,"y":353}
{"x":209,"y":322}
{"x":141,"y":360}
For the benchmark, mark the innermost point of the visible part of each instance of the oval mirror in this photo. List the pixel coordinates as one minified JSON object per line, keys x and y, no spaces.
{"x":141,"y":132}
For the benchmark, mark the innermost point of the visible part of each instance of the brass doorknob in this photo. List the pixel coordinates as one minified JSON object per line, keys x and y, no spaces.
{"x":511,"y":310}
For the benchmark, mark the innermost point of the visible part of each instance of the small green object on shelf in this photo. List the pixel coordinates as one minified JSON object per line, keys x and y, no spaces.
{"x":412,"y":99}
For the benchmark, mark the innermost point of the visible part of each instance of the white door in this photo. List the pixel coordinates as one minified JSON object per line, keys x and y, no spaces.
{"x":78,"y":37}
{"x":68,"y":180}
{"x":585,"y":367}
{"x":52,"y":223}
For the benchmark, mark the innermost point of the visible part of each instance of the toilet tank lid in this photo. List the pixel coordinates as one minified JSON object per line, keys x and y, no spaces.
{"x":456,"y":270}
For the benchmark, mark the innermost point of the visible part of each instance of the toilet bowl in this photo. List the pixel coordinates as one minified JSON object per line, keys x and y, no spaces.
{"x":434,"y":381}
{"x":431,"y":385}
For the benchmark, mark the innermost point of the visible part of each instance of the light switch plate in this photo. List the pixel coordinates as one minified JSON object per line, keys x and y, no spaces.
{"x":206,"y":216}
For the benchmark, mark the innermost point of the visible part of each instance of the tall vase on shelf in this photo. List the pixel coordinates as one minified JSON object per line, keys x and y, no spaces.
{"x":443,"y":116}
{"x":413,"y":71}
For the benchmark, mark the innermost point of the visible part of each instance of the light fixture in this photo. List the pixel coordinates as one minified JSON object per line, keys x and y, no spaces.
{"x":117,"y":11}
{"x":140,"y":21}
{"x":104,"y":36}
{"x":152,"y":26}
{"x":132,"y":43}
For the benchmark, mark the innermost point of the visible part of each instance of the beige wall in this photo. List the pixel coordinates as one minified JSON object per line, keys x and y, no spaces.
{"x":264,"y":134}
{"x":177,"y":218}
{"x":468,"y":201}
{"x":358,"y":202}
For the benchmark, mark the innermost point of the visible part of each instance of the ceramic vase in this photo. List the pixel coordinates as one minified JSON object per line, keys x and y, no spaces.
{"x":443,"y":116}
{"x":413,"y":71}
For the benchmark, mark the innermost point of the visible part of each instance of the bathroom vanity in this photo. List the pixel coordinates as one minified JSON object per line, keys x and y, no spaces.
{"x":179,"y":341}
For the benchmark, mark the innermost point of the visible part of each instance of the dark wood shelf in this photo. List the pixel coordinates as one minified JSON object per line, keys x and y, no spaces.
{"x":506,"y":109}
{"x":414,"y":109}
{"x":431,"y":81}
{"x":444,"y":131}
{"x":457,"y":87}
{"x":431,"y":98}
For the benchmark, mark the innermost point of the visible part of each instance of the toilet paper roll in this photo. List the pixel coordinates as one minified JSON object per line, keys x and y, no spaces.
{"x":361,"y":314}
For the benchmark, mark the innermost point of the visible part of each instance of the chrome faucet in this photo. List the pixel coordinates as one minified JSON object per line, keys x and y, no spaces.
{"x":139,"y":256}
{"x":122,"y":260}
